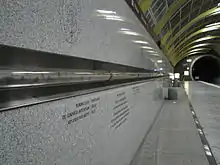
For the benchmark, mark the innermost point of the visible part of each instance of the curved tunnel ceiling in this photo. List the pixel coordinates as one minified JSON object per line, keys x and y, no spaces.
{"x":184,"y":27}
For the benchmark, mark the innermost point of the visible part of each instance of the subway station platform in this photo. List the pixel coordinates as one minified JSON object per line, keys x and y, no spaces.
{"x":83,"y":82}
{"x":175,"y":137}
{"x":205,"y":101}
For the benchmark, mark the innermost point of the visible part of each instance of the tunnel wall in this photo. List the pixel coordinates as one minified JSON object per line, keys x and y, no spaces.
{"x":194,"y":60}
{"x":73,"y":28}
{"x":101,"y":128}
{"x":208,"y":71}
{"x":211,"y":68}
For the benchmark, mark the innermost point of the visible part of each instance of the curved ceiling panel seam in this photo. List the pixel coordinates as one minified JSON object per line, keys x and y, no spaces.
{"x":217,"y":39}
{"x":191,"y":23}
{"x":185,"y":53}
{"x":171,"y":10}
{"x":204,"y":30}
{"x":188,"y":55}
{"x":168,"y":34}
{"x":199,"y":24}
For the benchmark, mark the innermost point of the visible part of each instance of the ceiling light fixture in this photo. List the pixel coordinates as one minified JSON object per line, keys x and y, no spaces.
{"x":189,"y":60}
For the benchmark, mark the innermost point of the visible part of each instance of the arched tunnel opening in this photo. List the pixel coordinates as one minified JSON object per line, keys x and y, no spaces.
{"x":206,"y":68}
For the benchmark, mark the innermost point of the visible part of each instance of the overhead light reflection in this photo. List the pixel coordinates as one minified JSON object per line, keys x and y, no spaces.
{"x":146,"y":47}
{"x":194,"y":53}
{"x":124,"y":29}
{"x":150,"y":51}
{"x":129,"y":32}
{"x":216,"y":11}
{"x":159,"y":61}
{"x":30,"y":72}
{"x":208,"y":153}
{"x":111,"y":17}
{"x":200,"y":45}
{"x":204,"y":38}
{"x":83,"y":73}
{"x":140,"y":42}
{"x":155,"y":55}
{"x":195,"y":50}
{"x":115,"y":19}
{"x":106,"y":12}
{"x":206,"y":146}
{"x":211,"y":28}
{"x":213,"y":24}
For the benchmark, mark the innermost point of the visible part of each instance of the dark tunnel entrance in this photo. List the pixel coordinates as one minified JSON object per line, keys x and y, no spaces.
{"x":207,"y":68}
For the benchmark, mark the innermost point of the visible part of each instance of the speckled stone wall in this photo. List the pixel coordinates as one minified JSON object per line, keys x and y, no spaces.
{"x":73,"y":27}
{"x":104,"y":128}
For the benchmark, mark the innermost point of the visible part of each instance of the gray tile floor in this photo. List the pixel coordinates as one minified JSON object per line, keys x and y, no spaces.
{"x":206,"y":103}
{"x":174,"y":139}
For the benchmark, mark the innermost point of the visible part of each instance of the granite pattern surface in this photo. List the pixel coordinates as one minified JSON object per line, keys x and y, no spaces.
{"x":78,"y":130}
{"x":74,"y":28}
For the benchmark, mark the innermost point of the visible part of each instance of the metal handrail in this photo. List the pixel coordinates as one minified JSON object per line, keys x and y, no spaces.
{"x":23,"y":79}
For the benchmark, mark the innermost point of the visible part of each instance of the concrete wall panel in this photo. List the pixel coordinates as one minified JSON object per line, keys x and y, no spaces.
{"x":74,"y":28}
{"x":102,"y":128}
